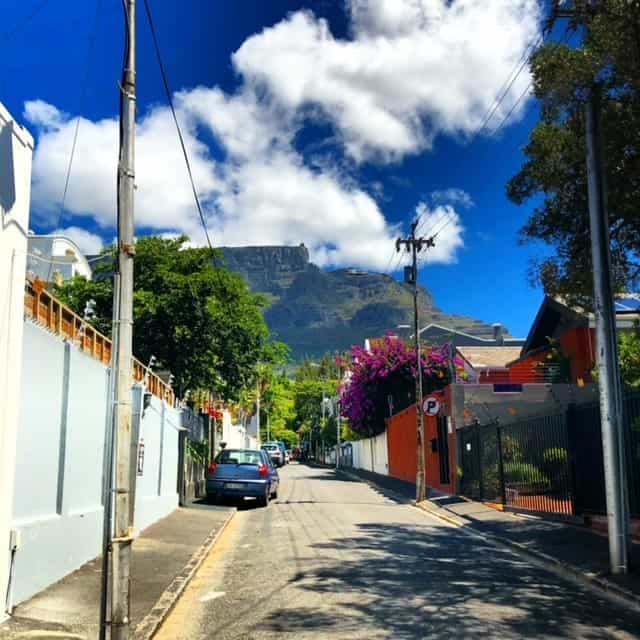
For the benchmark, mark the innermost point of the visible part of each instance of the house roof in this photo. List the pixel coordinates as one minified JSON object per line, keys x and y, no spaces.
{"x":554,"y":313}
{"x":479,"y":340}
{"x":489,"y":357}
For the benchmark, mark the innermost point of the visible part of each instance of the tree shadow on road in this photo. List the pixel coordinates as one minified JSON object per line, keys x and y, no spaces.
{"x":433,"y":582}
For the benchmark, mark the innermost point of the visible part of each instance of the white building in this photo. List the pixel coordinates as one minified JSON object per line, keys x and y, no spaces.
{"x":55,"y":258}
{"x":16,"y":149}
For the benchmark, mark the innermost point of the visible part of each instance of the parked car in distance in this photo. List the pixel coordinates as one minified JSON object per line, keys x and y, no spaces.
{"x":283,"y":448}
{"x":275,"y":453}
{"x":242,"y":473}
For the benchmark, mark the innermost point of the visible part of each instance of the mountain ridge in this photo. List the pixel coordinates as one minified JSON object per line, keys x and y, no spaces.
{"x":316,"y":311}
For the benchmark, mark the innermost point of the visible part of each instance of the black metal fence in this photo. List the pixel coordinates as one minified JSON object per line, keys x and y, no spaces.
{"x":550,"y":463}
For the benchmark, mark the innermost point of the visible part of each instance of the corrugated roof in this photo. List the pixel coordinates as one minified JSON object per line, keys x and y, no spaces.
{"x":489,"y":357}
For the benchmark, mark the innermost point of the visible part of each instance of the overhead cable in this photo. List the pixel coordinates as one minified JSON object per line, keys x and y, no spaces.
{"x":83,"y":96}
{"x":169,"y":97}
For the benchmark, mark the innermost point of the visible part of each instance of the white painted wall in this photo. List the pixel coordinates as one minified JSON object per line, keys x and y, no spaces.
{"x":372,"y":454}
{"x":16,"y":148}
{"x":60,"y":452}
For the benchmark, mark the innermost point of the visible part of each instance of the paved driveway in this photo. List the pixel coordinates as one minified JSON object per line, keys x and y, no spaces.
{"x":333,"y":558}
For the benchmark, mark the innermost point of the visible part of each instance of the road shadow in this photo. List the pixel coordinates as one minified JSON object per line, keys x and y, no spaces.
{"x":435,"y":582}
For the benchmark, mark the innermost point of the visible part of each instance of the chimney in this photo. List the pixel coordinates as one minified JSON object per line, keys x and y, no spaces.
{"x":497,"y":333}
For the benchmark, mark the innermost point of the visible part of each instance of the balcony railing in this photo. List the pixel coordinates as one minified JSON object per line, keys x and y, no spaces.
{"x":44,"y":309}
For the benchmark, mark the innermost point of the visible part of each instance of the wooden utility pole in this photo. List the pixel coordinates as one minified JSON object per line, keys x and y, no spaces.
{"x":415,"y":245}
{"x":121,"y":542}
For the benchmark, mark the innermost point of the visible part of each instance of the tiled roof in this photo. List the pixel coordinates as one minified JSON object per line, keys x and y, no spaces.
{"x":489,"y":357}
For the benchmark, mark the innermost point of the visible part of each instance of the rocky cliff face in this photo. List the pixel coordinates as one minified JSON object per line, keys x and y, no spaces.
{"x":316,"y":311}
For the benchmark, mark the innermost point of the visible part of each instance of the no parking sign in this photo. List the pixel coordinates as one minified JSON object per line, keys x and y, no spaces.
{"x":431,"y":406}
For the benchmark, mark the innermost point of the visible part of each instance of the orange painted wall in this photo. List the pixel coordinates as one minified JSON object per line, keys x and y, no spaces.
{"x":578,"y":345}
{"x":402,"y":444}
{"x":527,"y":371}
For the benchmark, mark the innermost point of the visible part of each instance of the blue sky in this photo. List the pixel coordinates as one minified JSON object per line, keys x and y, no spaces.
{"x":331,"y":124}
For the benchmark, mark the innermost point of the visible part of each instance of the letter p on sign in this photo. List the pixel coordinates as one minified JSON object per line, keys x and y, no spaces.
{"x":431,"y":406}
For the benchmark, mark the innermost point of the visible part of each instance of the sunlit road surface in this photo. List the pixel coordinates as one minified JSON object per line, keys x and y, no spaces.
{"x":333,"y":558}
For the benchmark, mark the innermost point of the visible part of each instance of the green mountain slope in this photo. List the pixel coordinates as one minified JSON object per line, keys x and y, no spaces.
{"x":316,"y":311}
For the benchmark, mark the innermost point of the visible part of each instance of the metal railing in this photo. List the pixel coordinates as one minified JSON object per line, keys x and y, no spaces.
{"x":550,"y":463}
{"x":43,"y":308}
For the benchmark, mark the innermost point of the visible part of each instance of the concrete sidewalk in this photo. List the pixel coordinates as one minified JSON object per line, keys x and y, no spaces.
{"x":165,"y":556}
{"x":575,"y":550}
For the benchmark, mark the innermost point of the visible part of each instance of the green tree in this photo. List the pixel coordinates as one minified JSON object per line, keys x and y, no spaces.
{"x":554,"y":173}
{"x":629,"y":344}
{"x":201,"y":322}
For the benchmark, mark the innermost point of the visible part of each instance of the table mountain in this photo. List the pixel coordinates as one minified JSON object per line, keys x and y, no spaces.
{"x":315,"y":311}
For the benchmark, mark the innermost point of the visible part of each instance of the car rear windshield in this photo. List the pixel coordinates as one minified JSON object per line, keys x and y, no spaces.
{"x":239,"y":456}
{"x":272,"y":447}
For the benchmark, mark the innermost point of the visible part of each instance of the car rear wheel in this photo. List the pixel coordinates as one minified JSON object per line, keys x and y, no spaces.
{"x":263,"y":501}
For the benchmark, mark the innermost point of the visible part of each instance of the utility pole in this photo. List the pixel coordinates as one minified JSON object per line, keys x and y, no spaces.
{"x":609,"y":383}
{"x":338,"y":433}
{"x":415,"y":245}
{"x":258,"y":412}
{"x":611,"y":403}
{"x":121,"y":542}
{"x":324,"y":406}
{"x":107,"y":497}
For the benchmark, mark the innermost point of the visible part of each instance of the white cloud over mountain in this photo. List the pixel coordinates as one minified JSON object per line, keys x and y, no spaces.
{"x":411,"y":70}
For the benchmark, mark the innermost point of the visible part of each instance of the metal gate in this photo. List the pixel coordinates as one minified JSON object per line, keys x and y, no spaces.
{"x":443,"y":450}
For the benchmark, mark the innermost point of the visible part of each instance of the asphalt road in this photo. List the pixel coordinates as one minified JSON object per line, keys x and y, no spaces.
{"x":333,"y":558}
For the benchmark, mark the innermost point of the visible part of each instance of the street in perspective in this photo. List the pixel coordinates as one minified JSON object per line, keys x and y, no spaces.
{"x":334,"y":557}
{"x":320,"y":319}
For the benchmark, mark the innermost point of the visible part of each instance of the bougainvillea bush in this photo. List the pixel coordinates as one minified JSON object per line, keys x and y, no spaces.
{"x":387,"y":373}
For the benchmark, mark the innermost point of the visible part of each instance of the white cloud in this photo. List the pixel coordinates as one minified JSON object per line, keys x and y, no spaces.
{"x":412,"y":69}
{"x":89,"y":243}
{"x":453,"y":196}
{"x":444,"y":224}
{"x":163,"y":197}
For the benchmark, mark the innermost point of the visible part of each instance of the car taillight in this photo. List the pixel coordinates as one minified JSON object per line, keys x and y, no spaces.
{"x":212,"y":467}
{"x":264,"y":470}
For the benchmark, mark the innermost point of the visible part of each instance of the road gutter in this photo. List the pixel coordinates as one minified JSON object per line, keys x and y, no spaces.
{"x":150,"y":624}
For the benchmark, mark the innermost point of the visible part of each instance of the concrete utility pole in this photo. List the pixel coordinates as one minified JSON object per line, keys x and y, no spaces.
{"x":610,"y":384}
{"x":415,"y":245}
{"x":107,"y":469}
{"x":121,"y":542}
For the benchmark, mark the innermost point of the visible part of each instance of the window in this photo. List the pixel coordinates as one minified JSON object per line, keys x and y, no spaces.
{"x":239,"y":456}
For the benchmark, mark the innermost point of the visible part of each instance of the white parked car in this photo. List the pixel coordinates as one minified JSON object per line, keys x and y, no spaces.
{"x":275,"y":453}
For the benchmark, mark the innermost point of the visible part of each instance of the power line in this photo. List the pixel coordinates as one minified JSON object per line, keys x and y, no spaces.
{"x":169,"y":96}
{"x":523,"y":94}
{"x":25,"y":21}
{"x":504,"y":90}
{"x":83,"y":96}
{"x":513,"y":108}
